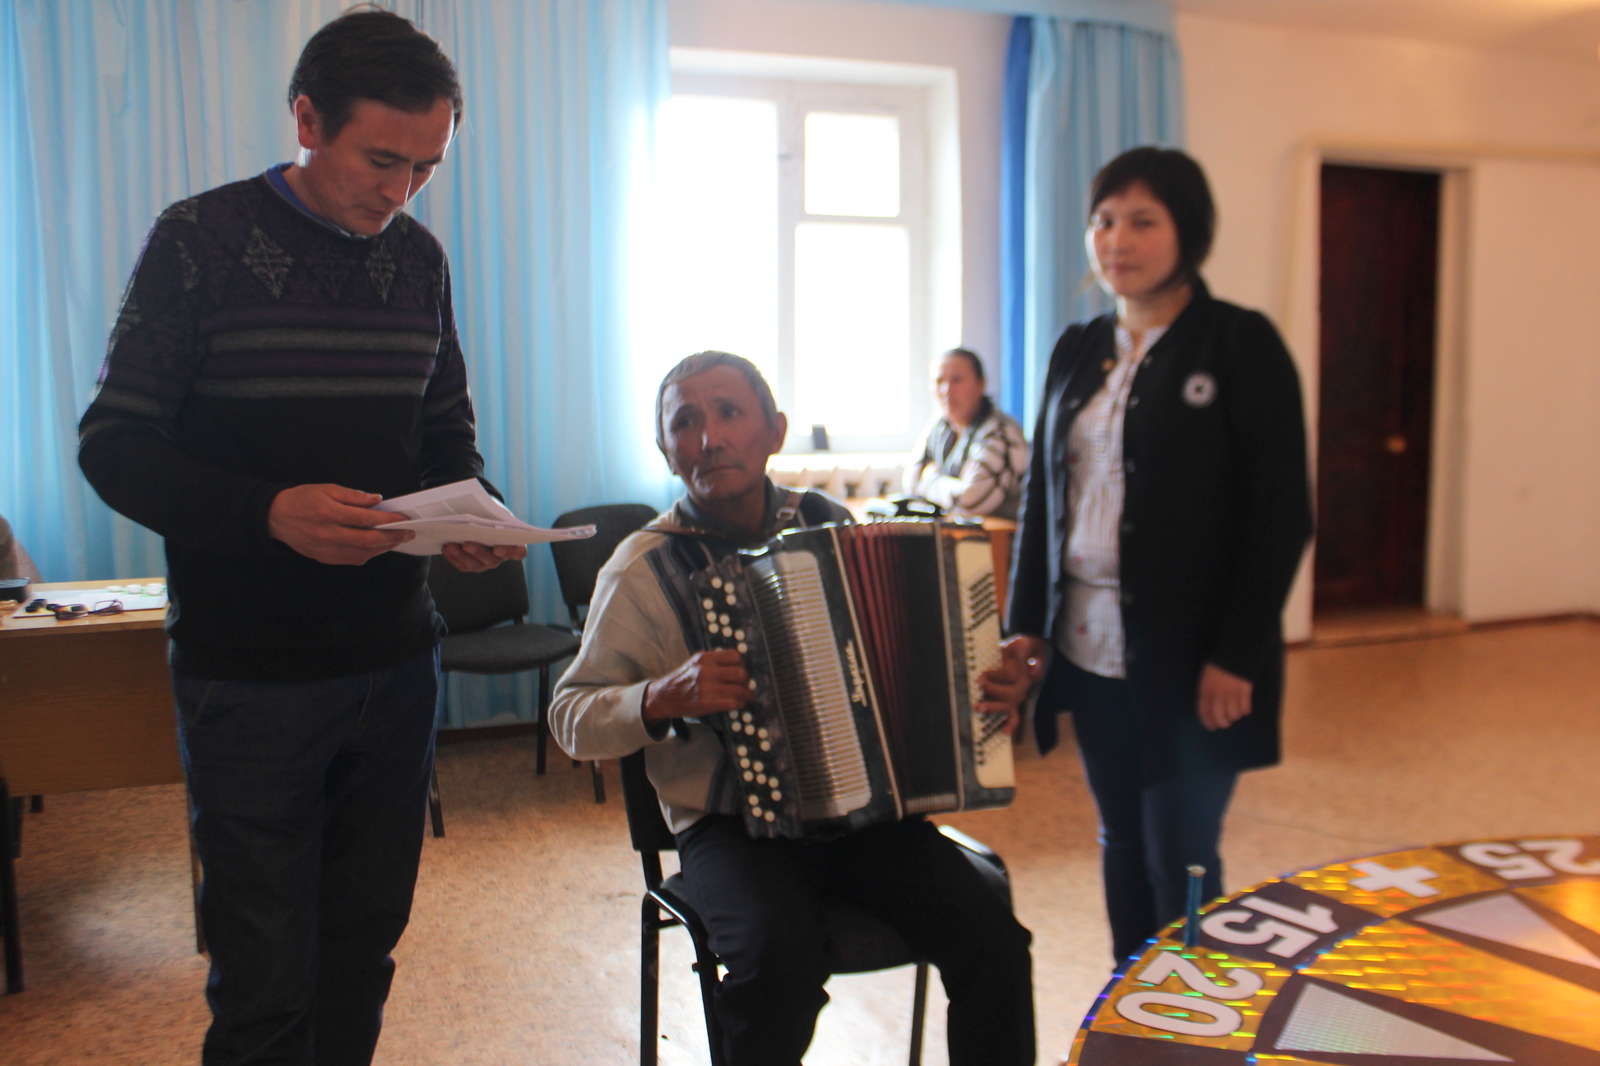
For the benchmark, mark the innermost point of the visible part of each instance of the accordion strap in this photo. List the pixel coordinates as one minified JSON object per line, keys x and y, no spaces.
{"x":788,"y":511}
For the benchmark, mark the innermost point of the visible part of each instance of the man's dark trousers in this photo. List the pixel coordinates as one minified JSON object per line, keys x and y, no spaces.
{"x":309,"y":804}
{"x":759,"y":900}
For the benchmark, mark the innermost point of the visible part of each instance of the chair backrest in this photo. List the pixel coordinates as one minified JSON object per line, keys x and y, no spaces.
{"x":647,"y":829}
{"x":470,"y":602}
{"x":578,"y":562}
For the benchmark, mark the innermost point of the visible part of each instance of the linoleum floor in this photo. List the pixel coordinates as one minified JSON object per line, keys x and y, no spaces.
{"x":523,"y":947}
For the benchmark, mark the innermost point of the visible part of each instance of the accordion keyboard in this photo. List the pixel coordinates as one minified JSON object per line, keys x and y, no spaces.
{"x":980,"y":619}
{"x":813,"y":693}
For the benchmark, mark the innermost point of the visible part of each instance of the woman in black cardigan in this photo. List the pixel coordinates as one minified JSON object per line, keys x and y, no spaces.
{"x":1166,"y":509}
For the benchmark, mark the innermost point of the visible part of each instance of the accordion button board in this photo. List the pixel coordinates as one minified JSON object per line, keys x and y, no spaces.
{"x":864,"y":645}
{"x":980,"y":622}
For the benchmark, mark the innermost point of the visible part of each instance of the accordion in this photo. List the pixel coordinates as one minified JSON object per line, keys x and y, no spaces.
{"x":864,"y":644}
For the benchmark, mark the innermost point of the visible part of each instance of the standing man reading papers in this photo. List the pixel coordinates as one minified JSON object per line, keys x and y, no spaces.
{"x":286,"y":357}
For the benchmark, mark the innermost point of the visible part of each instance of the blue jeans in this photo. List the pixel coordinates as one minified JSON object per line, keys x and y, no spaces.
{"x":308,"y":801}
{"x":1150,"y":832}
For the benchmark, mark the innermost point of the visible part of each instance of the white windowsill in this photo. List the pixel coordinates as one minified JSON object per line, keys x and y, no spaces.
{"x":795,"y":461}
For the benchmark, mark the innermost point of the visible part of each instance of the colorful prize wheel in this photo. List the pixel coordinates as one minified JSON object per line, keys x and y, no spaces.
{"x":1455,"y":955}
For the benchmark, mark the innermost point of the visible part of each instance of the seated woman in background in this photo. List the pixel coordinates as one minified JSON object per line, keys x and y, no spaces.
{"x":973,"y":457}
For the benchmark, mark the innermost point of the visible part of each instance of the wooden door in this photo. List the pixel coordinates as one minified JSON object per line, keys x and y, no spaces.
{"x":1380,"y":239}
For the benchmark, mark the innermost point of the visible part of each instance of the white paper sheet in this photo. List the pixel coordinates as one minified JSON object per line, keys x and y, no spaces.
{"x":462,"y":513}
{"x":142,"y":597}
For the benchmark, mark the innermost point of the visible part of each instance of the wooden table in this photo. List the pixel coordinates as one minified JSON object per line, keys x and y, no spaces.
{"x":86,"y":705}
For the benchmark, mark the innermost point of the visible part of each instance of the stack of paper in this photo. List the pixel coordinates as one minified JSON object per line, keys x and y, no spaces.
{"x":465,"y":513}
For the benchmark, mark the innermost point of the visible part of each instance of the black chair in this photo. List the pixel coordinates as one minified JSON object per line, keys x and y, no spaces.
{"x":578,"y":564}
{"x":860,"y":942}
{"x":10,"y":921}
{"x":473,"y":607}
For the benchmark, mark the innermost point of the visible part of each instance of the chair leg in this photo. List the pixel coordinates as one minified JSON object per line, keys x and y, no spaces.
{"x":11,"y":810}
{"x":10,"y":919}
{"x":919,"y":1013}
{"x":435,"y":809}
{"x":706,"y":966}
{"x":543,"y":719}
{"x":36,"y":804}
{"x":197,"y":877}
{"x":599,"y":781}
{"x":649,"y":981}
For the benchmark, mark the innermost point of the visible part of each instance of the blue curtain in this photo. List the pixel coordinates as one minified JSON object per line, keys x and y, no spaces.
{"x":112,"y":109}
{"x":109,"y":111}
{"x":540,"y":211}
{"x":1079,"y":91}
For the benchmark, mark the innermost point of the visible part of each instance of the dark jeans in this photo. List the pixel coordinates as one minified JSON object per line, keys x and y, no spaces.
{"x":1150,"y":833}
{"x":309,"y":801}
{"x":760,"y":900}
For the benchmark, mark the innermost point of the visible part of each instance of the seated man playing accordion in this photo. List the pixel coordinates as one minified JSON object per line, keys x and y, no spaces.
{"x":635,"y":684}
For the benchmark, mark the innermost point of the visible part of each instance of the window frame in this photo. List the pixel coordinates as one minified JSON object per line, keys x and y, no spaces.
{"x":794,"y":98}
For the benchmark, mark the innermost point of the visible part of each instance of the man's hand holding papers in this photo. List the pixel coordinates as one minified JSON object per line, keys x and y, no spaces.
{"x":473,"y":530}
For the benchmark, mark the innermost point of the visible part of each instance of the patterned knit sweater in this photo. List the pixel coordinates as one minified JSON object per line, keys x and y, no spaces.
{"x":256,"y":350}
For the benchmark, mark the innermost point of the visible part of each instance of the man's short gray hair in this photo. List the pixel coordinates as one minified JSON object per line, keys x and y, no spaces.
{"x":699,"y":363}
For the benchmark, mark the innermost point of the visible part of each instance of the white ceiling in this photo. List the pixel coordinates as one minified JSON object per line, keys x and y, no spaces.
{"x":1564,"y":29}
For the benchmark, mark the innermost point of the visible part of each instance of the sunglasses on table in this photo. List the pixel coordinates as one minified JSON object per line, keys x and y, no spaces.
{"x":67,"y":612}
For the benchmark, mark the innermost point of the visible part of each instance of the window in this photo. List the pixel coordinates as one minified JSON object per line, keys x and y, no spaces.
{"x":793,"y":227}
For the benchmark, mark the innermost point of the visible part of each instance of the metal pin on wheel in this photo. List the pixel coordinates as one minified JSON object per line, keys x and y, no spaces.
{"x":1191,"y":924}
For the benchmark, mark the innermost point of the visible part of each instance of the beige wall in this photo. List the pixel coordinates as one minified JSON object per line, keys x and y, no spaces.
{"x":1517,"y":480}
{"x":1531,"y":539}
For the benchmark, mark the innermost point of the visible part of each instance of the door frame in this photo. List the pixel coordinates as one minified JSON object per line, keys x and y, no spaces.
{"x":1298,"y":302}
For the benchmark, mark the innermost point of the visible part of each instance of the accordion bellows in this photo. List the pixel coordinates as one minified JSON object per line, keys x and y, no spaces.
{"x":864,"y":644}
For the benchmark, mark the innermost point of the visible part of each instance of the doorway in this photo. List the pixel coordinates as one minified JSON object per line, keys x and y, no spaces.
{"x":1378,"y":308}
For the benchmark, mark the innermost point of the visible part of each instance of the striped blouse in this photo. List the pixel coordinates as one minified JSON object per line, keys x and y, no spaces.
{"x":1089,"y":633}
{"x":975,"y":471}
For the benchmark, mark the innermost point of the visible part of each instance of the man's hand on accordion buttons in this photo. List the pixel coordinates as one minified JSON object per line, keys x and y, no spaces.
{"x":1022,"y":663}
{"x":1030,"y":653}
{"x":1005,"y":687}
{"x":708,"y":682}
